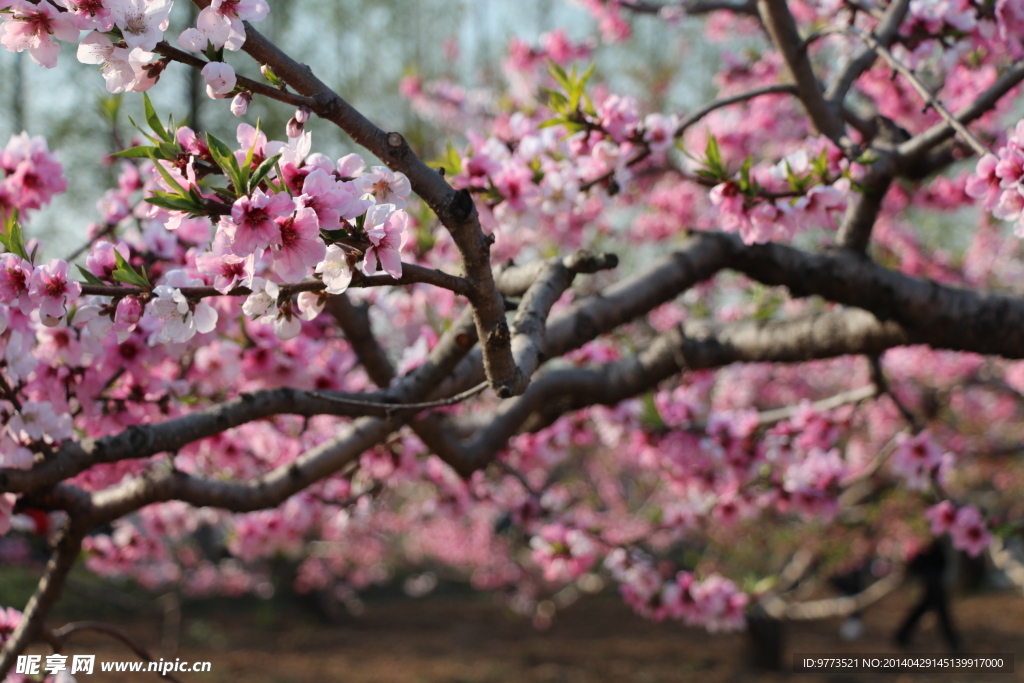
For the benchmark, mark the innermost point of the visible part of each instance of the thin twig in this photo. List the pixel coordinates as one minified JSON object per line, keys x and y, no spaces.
{"x":919,"y":86}
{"x":411,"y":274}
{"x":173,"y":53}
{"x":398,"y":407}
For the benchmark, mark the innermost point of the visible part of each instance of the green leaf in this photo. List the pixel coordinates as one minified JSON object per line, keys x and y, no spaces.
{"x":274,"y":79}
{"x":649,"y":414}
{"x":225,"y":194}
{"x":127,"y":274}
{"x":713,"y":157}
{"x":222,"y":154}
{"x":153,"y":120}
{"x":13,"y":240}
{"x":261,"y":172}
{"x":557,"y":121}
{"x":166,"y":175}
{"x":558,"y":73}
{"x":89,"y":277}
{"x":168,"y":151}
{"x":745,"y":174}
{"x":173,"y":202}
{"x":146,"y":135}
{"x":335,"y":235}
{"x":557,"y":102}
{"x":140,"y":152}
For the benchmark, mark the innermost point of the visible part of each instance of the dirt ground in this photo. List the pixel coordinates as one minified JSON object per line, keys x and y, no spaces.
{"x":467,"y":639}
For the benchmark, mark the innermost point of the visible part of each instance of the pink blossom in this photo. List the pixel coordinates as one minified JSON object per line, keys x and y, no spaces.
{"x":385,"y":228}
{"x":984,"y":183}
{"x":240,"y":103}
{"x":815,"y":209}
{"x":181,"y":318}
{"x":969,"y":532}
{"x":33,"y":28}
{"x":221,"y":24}
{"x":262,"y":299}
{"x":126,"y":317}
{"x":336,"y":272}
{"x":564,"y":554}
{"x":35,"y":175}
{"x":90,"y":14}
{"x":386,"y":186}
{"x":37,"y":420}
{"x":220,"y":79}
{"x":310,"y":305}
{"x":190,"y":142}
{"x":618,"y":116}
{"x":142,"y":22}
{"x":101,"y":260}
{"x":332,"y":201}
{"x":659,"y":132}
{"x":123,"y":70}
{"x":916,"y":459}
{"x":50,"y":288}
{"x":300,"y":245}
{"x":15,"y":276}
{"x":227,"y":269}
{"x":515,"y":183}
{"x":350,"y":166}
{"x":942,"y":517}
{"x":252,"y":227}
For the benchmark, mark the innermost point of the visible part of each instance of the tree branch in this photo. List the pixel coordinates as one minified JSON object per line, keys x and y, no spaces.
{"x":884,"y":34}
{"x":916,"y":83}
{"x":911,"y":150}
{"x":65,"y":552}
{"x":455,"y":209}
{"x":786,"y":37}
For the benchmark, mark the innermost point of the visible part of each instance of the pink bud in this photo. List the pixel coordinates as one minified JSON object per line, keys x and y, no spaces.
{"x":240,"y":104}
{"x":129,"y":310}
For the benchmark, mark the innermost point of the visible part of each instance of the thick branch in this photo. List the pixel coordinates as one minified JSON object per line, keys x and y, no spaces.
{"x":859,"y":221}
{"x":786,"y":37}
{"x":698,"y":345}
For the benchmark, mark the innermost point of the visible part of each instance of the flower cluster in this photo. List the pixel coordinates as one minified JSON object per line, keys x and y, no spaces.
{"x":31,"y":175}
{"x":965,"y":525}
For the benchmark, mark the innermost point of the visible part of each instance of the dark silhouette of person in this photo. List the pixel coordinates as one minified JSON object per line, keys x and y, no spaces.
{"x":930,"y":566}
{"x":850,"y":583}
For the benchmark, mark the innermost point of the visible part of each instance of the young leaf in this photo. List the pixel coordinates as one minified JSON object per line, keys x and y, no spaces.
{"x":89,"y":277}
{"x":13,"y":241}
{"x":140,"y":152}
{"x":166,"y":175}
{"x":173,"y":202}
{"x":224,"y":157}
{"x":261,"y":172}
{"x":153,"y":120}
{"x":127,"y":274}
